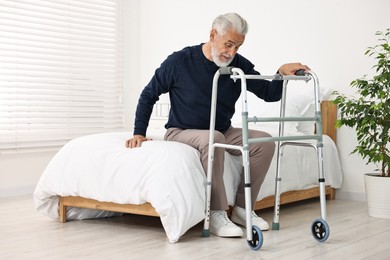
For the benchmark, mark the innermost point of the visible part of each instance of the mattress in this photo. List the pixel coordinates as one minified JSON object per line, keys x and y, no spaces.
{"x":166,"y":174}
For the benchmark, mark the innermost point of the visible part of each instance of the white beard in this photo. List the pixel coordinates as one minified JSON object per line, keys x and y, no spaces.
{"x":215,"y":55}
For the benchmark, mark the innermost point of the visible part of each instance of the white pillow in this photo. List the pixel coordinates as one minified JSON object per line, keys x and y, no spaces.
{"x":307,"y":127}
{"x":300,"y":97}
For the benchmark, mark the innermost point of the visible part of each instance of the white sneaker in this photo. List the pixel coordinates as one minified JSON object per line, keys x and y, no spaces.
{"x":239,"y":217}
{"x":222,"y":226}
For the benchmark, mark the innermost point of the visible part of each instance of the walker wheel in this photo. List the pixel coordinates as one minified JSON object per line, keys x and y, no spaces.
{"x":257,"y":238}
{"x":320,"y":230}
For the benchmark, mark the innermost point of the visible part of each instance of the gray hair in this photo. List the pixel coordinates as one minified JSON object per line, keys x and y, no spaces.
{"x":230,"y":21}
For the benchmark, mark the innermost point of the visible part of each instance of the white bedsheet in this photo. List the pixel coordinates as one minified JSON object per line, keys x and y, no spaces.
{"x":169,"y":175}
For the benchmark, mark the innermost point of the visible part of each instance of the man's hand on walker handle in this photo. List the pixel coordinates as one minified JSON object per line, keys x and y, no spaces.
{"x":291,"y":68}
{"x":136,"y":141}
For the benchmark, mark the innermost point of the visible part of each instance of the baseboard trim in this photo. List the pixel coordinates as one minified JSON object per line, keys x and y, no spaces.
{"x":16,"y":191}
{"x":353,"y":196}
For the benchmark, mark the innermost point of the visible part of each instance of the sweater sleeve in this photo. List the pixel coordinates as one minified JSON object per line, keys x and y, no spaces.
{"x":160,"y":83}
{"x":269,"y":91}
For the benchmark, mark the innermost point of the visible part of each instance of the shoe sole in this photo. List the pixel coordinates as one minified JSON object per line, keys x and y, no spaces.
{"x":227,"y":234}
{"x":239,"y":222}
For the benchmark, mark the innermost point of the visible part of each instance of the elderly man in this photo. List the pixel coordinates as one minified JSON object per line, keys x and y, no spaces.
{"x":187,"y":76}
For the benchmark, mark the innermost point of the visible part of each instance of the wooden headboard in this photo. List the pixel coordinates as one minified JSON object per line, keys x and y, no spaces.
{"x":329,"y":117}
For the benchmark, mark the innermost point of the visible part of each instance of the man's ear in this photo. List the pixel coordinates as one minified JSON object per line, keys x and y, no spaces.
{"x":213,"y":33}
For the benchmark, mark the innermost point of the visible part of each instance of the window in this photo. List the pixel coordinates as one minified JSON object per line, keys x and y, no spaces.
{"x":60,"y":71}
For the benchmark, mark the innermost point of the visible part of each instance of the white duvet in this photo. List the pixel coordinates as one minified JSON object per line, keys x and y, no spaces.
{"x":169,"y":175}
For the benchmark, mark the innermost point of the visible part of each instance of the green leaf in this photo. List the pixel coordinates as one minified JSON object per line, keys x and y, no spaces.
{"x":369,"y":112}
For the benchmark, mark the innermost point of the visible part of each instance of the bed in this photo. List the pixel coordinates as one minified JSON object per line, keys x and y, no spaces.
{"x":95,"y":176}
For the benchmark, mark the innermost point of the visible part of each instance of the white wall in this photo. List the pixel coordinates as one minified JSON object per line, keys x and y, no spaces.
{"x":19,"y":173}
{"x":328,"y":35}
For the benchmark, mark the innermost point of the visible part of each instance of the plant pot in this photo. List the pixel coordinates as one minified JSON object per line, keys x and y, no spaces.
{"x":378,"y":195}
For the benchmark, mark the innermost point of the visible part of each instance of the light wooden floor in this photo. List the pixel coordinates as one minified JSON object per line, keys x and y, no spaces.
{"x":25,"y":234}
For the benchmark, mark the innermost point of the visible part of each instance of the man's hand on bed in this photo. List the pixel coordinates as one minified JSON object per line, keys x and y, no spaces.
{"x":136,"y":141}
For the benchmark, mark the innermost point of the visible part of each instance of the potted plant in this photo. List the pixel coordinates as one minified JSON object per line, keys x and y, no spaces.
{"x":369,"y":115}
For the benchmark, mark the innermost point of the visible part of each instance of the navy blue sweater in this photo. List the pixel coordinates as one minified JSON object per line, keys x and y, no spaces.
{"x":187,"y":76}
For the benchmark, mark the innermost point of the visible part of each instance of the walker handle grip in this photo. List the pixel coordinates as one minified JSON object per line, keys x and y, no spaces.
{"x":300,"y":72}
{"x":226,"y":71}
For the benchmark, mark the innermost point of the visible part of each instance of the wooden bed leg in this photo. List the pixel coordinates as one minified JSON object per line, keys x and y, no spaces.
{"x":332,"y":194}
{"x":61,"y":211}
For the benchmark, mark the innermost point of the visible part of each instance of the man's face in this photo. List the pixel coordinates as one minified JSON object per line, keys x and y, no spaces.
{"x":225,"y":46}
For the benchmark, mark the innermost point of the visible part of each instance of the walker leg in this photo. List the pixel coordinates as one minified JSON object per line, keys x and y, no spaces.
{"x":320,"y":228}
{"x":279,"y":152}
{"x":248,"y":200}
{"x":206,"y":226}
{"x":278,"y":180}
{"x":206,"y":232}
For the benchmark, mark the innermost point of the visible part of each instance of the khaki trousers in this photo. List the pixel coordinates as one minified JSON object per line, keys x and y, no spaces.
{"x":260,"y":156}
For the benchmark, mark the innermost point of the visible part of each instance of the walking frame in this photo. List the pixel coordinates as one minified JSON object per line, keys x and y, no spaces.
{"x":320,"y":228}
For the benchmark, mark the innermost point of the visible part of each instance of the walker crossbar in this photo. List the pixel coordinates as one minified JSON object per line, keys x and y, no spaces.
{"x":320,"y":228}
{"x":280,"y":119}
{"x":282,"y":138}
{"x":272,"y":77}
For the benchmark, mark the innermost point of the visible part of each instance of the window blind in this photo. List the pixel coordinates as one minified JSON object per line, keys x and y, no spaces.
{"x":60,"y":71}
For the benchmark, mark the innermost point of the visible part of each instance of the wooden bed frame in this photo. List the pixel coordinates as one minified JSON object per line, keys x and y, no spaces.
{"x":329,"y":115}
